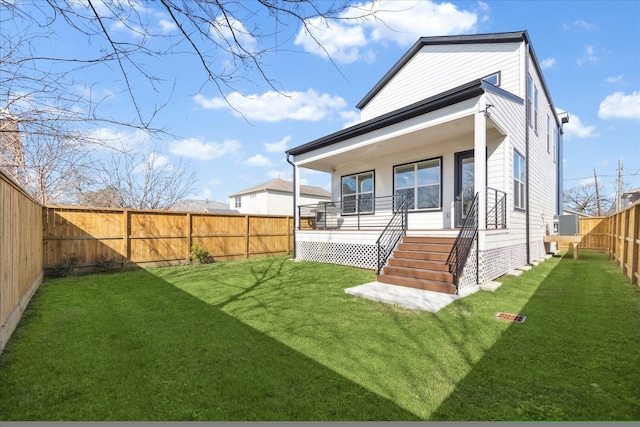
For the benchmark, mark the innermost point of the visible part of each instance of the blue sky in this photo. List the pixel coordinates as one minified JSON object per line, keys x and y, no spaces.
{"x":590,"y":52}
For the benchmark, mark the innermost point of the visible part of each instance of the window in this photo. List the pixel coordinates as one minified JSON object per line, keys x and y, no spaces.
{"x":518,"y":180}
{"x":253,"y":196}
{"x":532,"y":99}
{"x":357,"y":193}
{"x":419,"y":183}
{"x":535,"y":109}
{"x":555,"y":144}
{"x":494,"y":79}
{"x":548,"y":134}
{"x":238,"y":201}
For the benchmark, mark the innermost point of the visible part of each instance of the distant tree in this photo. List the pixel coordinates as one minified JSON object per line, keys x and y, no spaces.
{"x":143,"y":181}
{"x":583,"y":199}
{"x":46,"y":97}
{"x":107,"y":197}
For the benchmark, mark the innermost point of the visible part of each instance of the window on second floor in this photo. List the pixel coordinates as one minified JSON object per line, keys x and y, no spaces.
{"x":548,"y":134}
{"x":518,"y":180}
{"x":357,"y":193}
{"x":420,"y":184}
{"x":238,"y":201}
{"x":532,"y":100}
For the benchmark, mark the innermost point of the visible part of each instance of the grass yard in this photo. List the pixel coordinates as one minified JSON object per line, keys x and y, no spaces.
{"x":273,"y":339}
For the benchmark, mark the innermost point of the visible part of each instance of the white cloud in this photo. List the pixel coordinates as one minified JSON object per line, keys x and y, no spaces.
{"x":584,"y":25}
{"x":167,"y":26}
{"x":548,"y":63}
{"x":383,"y":21}
{"x":614,"y":79}
{"x":576,"y":129}
{"x":590,"y":56}
{"x":258,"y":160}
{"x":232,"y":34}
{"x":274,"y":106}
{"x":153,"y":162}
{"x":351,"y":118}
{"x":281,"y":174}
{"x":620,"y":106}
{"x":129,"y":141}
{"x":203,"y":150}
{"x":277,"y":147}
{"x":215,"y":182}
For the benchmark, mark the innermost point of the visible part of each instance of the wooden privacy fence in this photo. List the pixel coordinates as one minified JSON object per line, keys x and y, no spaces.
{"x":155,"y":237}
{"x":20,"y":254}
{"x":618,"y":235}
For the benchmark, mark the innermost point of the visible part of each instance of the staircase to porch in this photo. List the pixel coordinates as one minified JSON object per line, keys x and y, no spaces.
{"x":421,"y":262}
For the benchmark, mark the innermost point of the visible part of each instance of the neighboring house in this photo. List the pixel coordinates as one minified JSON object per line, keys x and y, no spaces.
{"x":192,"y":205}
{"x":461,"y":128}
{"x":275,"y":197}
{"x":630,"y":197}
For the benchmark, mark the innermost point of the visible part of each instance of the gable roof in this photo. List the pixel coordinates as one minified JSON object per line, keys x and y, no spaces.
{"x":511,"y":37}
{"x":283,"y":186}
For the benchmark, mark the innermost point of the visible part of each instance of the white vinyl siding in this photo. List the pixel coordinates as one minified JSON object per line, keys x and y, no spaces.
{"x":447,"y":67}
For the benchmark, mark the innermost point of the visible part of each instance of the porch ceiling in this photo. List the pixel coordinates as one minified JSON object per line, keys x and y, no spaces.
{"x":455,"y":129}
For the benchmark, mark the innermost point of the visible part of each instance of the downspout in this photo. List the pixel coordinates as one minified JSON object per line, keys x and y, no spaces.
{"x":526,"y":155}
{"x":294,"y":204}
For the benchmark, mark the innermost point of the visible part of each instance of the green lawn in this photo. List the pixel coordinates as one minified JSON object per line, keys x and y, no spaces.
{"x":273,"y":339}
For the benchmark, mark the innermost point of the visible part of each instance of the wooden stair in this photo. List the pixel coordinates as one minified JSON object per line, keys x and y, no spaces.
{"x":420,"y":262}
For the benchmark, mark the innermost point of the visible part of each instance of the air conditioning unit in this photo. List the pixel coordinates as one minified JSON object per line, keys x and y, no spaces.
{"x":566,"y":225}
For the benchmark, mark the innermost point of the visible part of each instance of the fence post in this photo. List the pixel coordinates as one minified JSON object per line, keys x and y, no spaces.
{"x":126,"y":226}
{"x":189,"y":238}
{"x":246,"y":237}
{"x":634,"y":242}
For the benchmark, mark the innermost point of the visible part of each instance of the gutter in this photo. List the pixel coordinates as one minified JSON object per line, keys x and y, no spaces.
{"x":294,"y":203}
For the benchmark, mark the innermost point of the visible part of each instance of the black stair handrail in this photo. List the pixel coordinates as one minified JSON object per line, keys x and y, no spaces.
{"x":462,"y":245}
{"x":392,"y":233}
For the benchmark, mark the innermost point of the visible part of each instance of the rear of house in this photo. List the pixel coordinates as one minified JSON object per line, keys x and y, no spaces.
{"x":454,"y":172}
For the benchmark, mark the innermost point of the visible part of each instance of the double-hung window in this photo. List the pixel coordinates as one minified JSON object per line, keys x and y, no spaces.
{"x":238,"y":201}
{"x":532,"y":95}
{"x":518,"y":180}
{"x":420,"y":184}
{"x":357,"y":193}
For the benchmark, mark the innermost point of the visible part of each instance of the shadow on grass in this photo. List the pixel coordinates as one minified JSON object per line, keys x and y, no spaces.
{"x":134,"y":347}
{"x":575,"y":358}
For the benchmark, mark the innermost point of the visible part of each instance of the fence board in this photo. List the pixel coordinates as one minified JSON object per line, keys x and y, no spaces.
{"x":21,"y":268}
{"x":148,"y":237}
{"x":619,"y":236}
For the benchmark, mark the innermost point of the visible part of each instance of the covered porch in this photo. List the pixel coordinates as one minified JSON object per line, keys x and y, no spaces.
{"x":436,"y":156}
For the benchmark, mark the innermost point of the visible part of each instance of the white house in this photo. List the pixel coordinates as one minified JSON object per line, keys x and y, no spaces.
{"x":454,"y":174}
{"x":275,"y":197}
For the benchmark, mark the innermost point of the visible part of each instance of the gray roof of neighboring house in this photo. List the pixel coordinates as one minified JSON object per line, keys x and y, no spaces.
{"x":202,"y":206}
{"x":283,"y":186}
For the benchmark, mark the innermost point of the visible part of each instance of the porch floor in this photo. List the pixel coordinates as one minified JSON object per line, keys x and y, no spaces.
{"x":412,"y":298}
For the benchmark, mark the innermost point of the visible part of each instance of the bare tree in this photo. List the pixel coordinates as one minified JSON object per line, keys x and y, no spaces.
{"x":143,"y":181}
{"x":585,"y":198}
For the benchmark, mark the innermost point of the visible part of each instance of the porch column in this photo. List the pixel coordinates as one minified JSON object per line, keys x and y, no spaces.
{"x":296,"y":196}
{"x":480,"y":165}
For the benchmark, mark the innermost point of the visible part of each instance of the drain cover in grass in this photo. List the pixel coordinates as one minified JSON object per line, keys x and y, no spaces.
{"x":516,"y":318}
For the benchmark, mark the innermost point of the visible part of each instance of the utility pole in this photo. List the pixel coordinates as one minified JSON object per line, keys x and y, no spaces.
{"x":597,"y":192}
